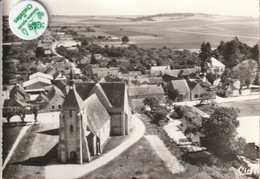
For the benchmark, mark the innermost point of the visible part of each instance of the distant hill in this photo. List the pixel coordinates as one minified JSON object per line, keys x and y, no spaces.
{"x":173,"y":15}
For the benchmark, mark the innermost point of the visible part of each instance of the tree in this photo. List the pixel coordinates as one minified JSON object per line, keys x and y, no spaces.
{"x":207,"y":97}
{"x":152,"y":102}
{"x":245,"y":72}
{"x":220,"y":133}
{"x":8,"y":112}
{"x":205,"y":55}
{"x":125,"y":39}
{"x":39,"y":52}
{"x":255,"y":53}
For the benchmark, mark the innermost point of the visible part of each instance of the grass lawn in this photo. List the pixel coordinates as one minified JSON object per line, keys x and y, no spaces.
{"x":10,"y":133}
{"x":138,"y":161}
{"x":247,"y":108}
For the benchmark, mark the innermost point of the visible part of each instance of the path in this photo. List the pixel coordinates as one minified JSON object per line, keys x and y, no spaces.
{"x":170,"y":161}
{"x":79,"y":170}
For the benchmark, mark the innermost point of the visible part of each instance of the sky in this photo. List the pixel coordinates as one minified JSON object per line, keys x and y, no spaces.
{"x":145,"y":7}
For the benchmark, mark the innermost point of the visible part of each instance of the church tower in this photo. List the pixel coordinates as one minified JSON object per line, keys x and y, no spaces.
{"x":73,"y":146}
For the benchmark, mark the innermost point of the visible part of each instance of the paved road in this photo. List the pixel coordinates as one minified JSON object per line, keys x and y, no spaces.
{"x":79,"y":170}
{"x":221,"y":100}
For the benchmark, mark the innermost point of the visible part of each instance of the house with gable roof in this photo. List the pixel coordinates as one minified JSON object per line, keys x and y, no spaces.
{"x":196,"y":91}
{"x":179,"y":90}
{"x":144,"y":91}
{"x":215,"y":66}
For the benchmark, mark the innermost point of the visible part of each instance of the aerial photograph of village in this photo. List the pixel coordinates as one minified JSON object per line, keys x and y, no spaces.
{"x":132,"y":92}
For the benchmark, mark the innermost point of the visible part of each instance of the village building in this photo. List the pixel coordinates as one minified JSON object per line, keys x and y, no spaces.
{"x":40,"y":74}
{"x":126,"y":67}
{"x":157,"y":70}
{"x":215,"y":66}
{"x":17,"y":97}
{"x":37,"y":83}
{"x":196,"y":91}
{"x":142,"y":92}
{"x":179,"y":90}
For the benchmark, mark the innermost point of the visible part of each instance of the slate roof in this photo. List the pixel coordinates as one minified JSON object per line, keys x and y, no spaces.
{"x":180,"y":85}
{"x":13,"y":103}
{"x":191,"y":85}
{"x":97,"y":114}
{"x":98,"y":90}
{"x":156,"y":80}
{"x":73,"y":101}
{"x":18,"y":89}
{"x":127,"y":66}
{"x":115,"y":93}
{"x":51,"y":70}
{"x":95,"y":70}
{"x":42,"y":98}
{"x":61,"y":85}
{"x":84,"y":89}
{"x":168,"y":77}
{"x":53,"y":92}
{"x":145,"y":90}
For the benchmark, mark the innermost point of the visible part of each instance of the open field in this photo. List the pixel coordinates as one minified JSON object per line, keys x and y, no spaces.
{"x":173,"y":31}
{"x":247,"y":108}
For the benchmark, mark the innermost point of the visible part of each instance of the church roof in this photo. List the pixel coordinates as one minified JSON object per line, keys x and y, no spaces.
{"x":101,"y":95}
{"x":73,"y":101}
{"x":53,"y":92}
{"x":97,"y":114}
{"x":84,"y":89}
{"x":115,"y":93}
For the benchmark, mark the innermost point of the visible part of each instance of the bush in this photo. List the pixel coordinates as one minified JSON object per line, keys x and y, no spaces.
{"x":174,"y":115}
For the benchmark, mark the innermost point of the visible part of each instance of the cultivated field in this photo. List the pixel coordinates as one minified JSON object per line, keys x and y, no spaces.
{"x":173,"y":31}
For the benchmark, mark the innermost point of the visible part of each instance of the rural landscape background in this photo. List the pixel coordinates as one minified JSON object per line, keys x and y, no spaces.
{"x":177,"y":30}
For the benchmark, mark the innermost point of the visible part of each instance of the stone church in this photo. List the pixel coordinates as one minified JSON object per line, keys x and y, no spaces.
{"x":90,"y":114}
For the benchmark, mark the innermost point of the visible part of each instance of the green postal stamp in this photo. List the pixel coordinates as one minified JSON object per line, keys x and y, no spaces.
{"x":28,"y":19}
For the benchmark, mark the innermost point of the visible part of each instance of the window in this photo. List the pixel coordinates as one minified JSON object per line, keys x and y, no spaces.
{"x":71,"y":128}
{"x":196,"y":96}
{"x":59,"y":106}
{"x":201,"y":95}
{"x":53,"y":107}
{"x":70,"y":113}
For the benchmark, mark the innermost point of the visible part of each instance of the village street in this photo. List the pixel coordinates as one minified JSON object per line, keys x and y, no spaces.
{"x":221,"y":100}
